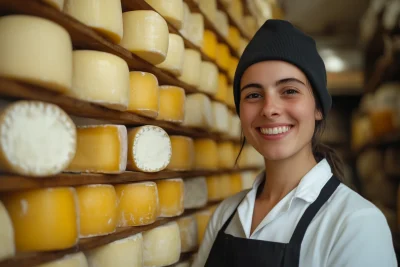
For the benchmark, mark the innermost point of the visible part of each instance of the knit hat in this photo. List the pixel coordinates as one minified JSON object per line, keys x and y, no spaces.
{"x":280,"y":40}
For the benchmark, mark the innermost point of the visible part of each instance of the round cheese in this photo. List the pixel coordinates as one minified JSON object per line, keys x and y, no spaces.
{"x":206,"y":154}
{"x":100,"y":78}
{"x":144,"y":95}
{"x":221,"y":117}
{"x":146,"y":35}
{"x":191,"y":65}
{"x":188,"y":232}
{"x":232,"y":67}
{"x":229,"y":99}
{"x":198,"y":111}
{"x":7,"y":242}
{"x":97,"y":210}
{"x":172,"y":104}
{"x":248,"y":178}
{"x":234,"y":37}
{"x":196,"y":29}
{"x":236,"y":184}
{"x":202,"y":218}
{"x":242,"y":45}
{"x":209,"y":8}
{"x":214,"y":188}
{"x":70,"y":260}
{"x":37,"y":51}
{"x":57,"y":4}
{"x":171,"y":10}
{"x":170,"y":195}
{"x":210,"y":44}
{"x":173,"y":63}
{"x":222,"y":90}
{"x":222,"y":24}
{"x":208,"y":78}
{"x":196,"y":195}
{"x":226,"y":155}
{"x":182,"y":158}
{"x":36,"y":139}
{"x":235,"y":127}
{"x":103,"y":16}
{"x":223,"y":56}
{"x":137,"y":204}
{"x":44,"y":219}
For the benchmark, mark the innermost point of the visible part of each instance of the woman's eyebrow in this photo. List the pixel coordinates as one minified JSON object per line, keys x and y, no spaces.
{"x":288,"y":80}
{"x":252,"y":85}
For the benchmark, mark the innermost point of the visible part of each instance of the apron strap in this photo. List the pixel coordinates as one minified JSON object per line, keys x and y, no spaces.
{"x":313,"y":209}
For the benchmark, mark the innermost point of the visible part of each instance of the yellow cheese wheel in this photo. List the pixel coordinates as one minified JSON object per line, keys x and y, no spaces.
{"x":210,"y":44}
{"x":170,"y":195}
{"x":242,"y":45}
{"x":234,"y":37}
{"x":173,"y":63}
{"x":7,"y":242}
{"x":232,"y":67}
{"x":223,"y":56}
{"x":206,"y":154}
{"x":103,"y":16}
{"x":191,"y":65}
{"x":146,"y":35}
{"x":44,"y":219}
{"x":137,"y":204}
{"x":208,"y":78}
{"x":182,"y":158}
{"x":171,"y":10}
{"x":172,"y":104}
{"x":213,"y":188}
{"x":188,"y":232}
{"x":236,"y":183}
{"x":100,"y":78}
{"x":226,"y":154}
{"x":230,"y":101}
{"x":37,"y":51}
{"x":97,"y":210}
{"x":70,"y":260}
{"x":222,"y":91}
{"x":202,"y":218}
{"x":100,"y":149}
{"x":144,"y":94}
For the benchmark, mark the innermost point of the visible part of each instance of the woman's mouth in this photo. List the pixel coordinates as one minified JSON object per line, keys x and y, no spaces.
{"x":274,"y":132}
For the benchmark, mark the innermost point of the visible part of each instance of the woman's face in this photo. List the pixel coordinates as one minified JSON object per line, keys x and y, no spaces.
{"x":277,"y":109}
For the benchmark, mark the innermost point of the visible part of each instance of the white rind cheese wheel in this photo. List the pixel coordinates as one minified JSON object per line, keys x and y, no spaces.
{"x":57,"y":4}
{"x":149,"y":149}
{"x":49,"y":141}
{"x":221,"y":117}
{"x":171,"y":10}
{"x":146,"y":35}
{"x":188,"y":232}
{"x":248,"y":178}
{"x":196,"y":29}
{"x":173,"y":63}
{"x":196,"y":195}
{"x":103,"y":16}
{"x":70,"y":260}
{"x":209,"y":8}
{"x":100,"y":149}
{"x":121,"y":253}
{"x":222,"y":24}
{"x":162,"y":245}
{"x":191,"y":65}
{"x":185,"y":21}
{"x":101,"y":78}
{"x":36,"y":51}
{"x":198,"y":111}
{"x":208,"y":78}
{"x":235,"y":127}
{"x":7,"y":242}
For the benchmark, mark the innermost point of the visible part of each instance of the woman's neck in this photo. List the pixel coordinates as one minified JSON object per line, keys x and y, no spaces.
{"x":285,"y":175}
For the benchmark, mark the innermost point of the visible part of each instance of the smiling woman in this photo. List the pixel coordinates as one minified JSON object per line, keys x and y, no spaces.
{"x":298,"y":212}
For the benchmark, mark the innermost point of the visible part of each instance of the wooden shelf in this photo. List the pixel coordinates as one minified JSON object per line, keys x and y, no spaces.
{"x":34,"y":259}
{"x":208,"y":24}
{"x":232,"y":21}
{"x":391,"y":139}
{"x":84,"y":37}
{"x":10,"y":182}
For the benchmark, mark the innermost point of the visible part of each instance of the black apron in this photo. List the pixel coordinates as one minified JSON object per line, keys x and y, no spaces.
{"x":228,"y":250}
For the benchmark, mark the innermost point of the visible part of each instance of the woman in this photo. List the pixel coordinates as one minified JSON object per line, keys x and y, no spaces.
{"x":298,"y":212}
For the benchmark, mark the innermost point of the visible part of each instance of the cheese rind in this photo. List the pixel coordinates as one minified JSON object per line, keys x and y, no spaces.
{"x":172,"y":104}
{"x":171,"y":196}
{"x":100,"y":78}
{"x":202,"y":218}
{"x":52,"y":71}
{"x":182,"y":158}
{"x":223,"y":56}
{"x":196,"y":195}
{"x":100,"y":149}
{"x":138,"y":204}
{"x":191,"y":65}
{"x":104,"y":17}
{"x":97,"y":210}
{"x":188,"y":233}
{"x":222,"y":92}
{"x":222,"y":24}
{"x":146,"y":35}
{"x":198,"y":111}
{"x":206,"y":154}
{"x":210,"y":44}
{"x":221,"y":117}
{"x":124,"y":252}
{"x":171,"y":10}
{"x":149,"y":149}
{"x":7,"y":242}
{"x":144,"y":94}
{"x":209,"y":8}
{"x":196,"y":29}
{"x":71,"y":260}
{"x":161,"y":245}
{"x":44,"y":219}
{"x":234,"y":37}
{"x":208,"y":78}
{"x":49,"y":142}
{"x":173,"y":63}
{"x":226,"y":155}
{"x":232,"y":67}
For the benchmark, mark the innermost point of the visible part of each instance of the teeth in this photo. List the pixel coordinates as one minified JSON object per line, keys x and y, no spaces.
{"x":275,"y":130}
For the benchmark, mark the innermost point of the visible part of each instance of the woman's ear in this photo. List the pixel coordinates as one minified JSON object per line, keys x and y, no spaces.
{"x":318,"y":115}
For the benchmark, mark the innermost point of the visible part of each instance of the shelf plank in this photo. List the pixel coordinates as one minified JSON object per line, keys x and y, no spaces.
{"x":34,"y":259}
{"x":390,"y":139}
{"x":232,"y":21}
{"x":10,"y":182}
{"x":208,"y":24}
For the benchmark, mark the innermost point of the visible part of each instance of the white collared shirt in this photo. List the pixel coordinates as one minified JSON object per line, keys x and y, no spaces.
{"x":348,"y":230}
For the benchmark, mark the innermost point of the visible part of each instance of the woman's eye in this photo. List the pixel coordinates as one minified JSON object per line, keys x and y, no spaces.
{"x":290,"y":92}
{"x":253,"y":95}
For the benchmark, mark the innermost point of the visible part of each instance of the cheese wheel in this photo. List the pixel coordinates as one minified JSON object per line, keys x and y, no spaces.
{"x":124,"y":252}
{"x":149,"y":149}
{"x":44,"y":219}
{"x":100,"y":78}
{"x":196,"y":194}
{"x":235,"y":9}
{"x":70,"y":260}
{"x":182,"y":158}
{"x":161,"y":245}
{"x":235,"y":127}
{"x":223,"y":56}
{"x":104,"y":17}
{"x":144,"y":94}
{"x":173,"y":63}
{"x":49,"y":142}
{"x":208,"y":78}
{"x":222,"y":23}
{"x":100,"y":149}
{"x":250,"y":24}
{"x":170,"y":195}
{"x":138,"y":204}
{"x":230,"y":101}
{"x":202,"y":218}
{"x":188,"y":232}
{"x":226,"y":155}
{"x":210,"y":44}
{"x":196,"y":29}
{"x":7,"y":242}
{"x":242,"y":45}
{"x":171,"y":10}
{"x":225,"y":186}
{"x":206,"y":154}
{"x":209,"y":8}
{"x":57,"y":4}
{"x":222,"y":90}
{"x":172,"y":104}
{"x":27,"y":63}
{"x":146,"y":35}
{"x":250,"y":158}
{"x":232,"y":67}
{"x":97,"y":210}
{"x":248,"y":178}
{"x":234,"y":37}
{"x":221,"y":117}
{"x":191,"y":65}
{"x":198,"y":111}
{"x":185,"y":21}
{"x":214,"y":192}
{"x":236,"y":184}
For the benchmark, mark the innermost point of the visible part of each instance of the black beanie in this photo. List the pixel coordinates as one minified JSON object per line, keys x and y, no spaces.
{"x":280,"y":40}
